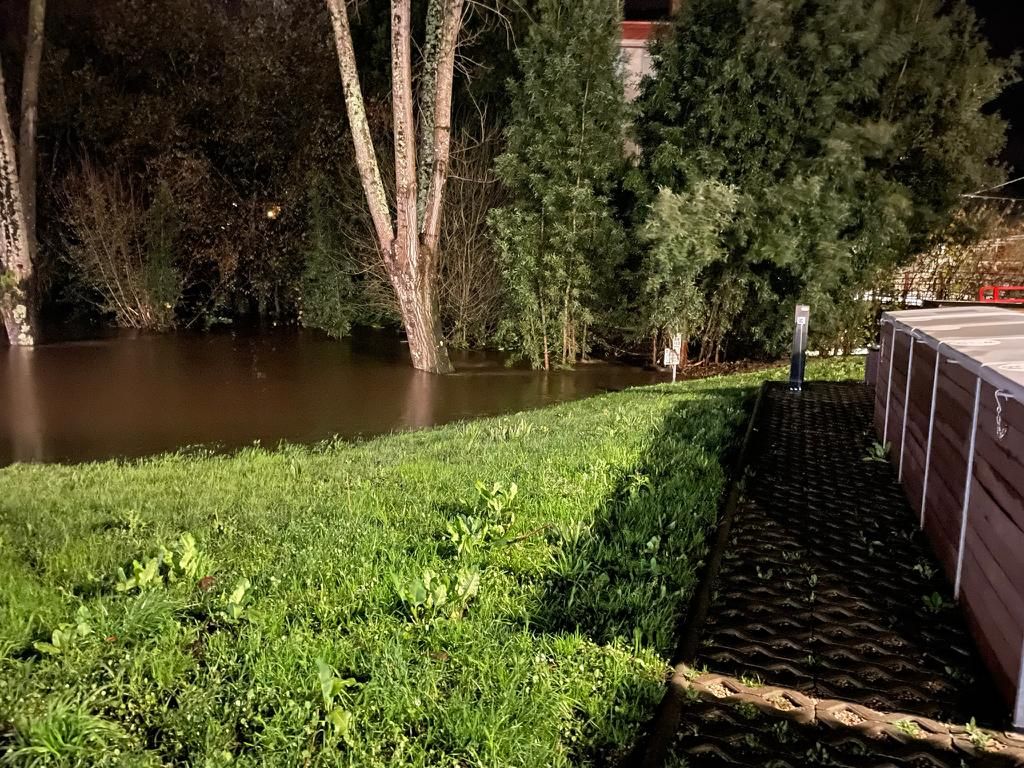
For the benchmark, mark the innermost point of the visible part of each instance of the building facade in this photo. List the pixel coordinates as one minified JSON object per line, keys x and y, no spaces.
{"x":641,"y":20}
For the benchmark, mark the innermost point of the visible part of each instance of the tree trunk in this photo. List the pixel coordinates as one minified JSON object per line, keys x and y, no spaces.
{"x":544,"y":337}
{"x":409,"y":241}
{"x":15,"y":257}
{"x":422,"y":325}
{"x":684,"y":348}
{"x":30,"y":117}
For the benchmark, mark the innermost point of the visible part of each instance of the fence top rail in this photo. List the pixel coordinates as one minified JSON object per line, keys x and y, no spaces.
{"x":987,"y":341}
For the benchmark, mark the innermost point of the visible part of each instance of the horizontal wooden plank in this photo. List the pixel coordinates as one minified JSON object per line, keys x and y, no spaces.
{"x":1004,"y":678}
{"x":995,"y":626}
{"x":998,"y":546}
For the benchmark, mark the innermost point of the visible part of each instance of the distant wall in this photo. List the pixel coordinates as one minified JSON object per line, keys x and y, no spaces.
{"x":635,"y":55}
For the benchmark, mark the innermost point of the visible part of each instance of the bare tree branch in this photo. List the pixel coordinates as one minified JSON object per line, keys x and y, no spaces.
{"x":450,"y":26}
{"x":406,"y":230}
{"x":355,"y":106}
{"x":30,"y":117}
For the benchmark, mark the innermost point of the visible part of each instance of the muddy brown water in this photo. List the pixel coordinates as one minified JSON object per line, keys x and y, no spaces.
{"x":131,"y":395}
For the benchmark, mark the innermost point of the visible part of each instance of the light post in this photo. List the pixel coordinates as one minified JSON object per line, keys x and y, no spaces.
{"x":798,"y":356}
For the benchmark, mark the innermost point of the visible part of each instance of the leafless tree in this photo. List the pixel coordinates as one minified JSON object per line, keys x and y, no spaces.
{"x":111,"y":248}
{"x":982,"y":245}
{"x":470,"y":286}
{"x":409,"y":236}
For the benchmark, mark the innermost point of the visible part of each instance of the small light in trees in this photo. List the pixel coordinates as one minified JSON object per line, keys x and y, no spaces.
{"x":273,"y":211}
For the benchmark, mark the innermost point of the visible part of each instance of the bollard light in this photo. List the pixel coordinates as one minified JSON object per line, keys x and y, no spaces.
{"x":799,"y":353}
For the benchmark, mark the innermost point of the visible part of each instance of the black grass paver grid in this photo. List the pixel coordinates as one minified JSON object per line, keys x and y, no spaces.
{"x":822,"y":591}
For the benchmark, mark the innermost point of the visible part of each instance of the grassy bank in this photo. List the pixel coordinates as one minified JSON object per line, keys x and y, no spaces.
{"x":365,"y":604}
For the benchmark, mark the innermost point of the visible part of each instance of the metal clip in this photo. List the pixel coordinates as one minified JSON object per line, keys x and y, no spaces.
{"x":1001,"y":427}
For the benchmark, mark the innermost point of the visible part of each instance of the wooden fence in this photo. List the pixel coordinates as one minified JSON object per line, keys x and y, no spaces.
{"x":959,"y":451}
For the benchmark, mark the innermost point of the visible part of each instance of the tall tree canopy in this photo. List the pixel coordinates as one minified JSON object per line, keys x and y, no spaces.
{"x":847,"y":128}
{"x":558,"y":238}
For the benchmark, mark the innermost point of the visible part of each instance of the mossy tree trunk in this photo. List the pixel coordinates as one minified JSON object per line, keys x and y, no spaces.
{"x":27,"y":126}
{"x":15,"y":255}
{"x":409,"y":238}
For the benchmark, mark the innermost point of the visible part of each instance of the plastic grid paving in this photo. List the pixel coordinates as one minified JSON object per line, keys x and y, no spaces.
{"x":832,"y":638}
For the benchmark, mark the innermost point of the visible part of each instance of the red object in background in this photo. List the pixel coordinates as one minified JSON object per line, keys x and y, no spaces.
{"x":638,"y":30}
{"x":994,"y":293}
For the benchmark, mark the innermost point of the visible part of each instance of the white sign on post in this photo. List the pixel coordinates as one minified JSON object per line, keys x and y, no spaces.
{"x":672,"y":360}
{"x":674,"y":353}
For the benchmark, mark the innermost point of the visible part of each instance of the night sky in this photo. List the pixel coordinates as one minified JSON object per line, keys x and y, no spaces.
{"x":1003,"y":23}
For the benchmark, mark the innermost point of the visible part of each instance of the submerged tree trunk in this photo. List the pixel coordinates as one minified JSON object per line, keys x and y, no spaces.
{"x":409,"y":240}
{"x":420,"y":316}
{"x":15,"y":256}
{"x":30,"y":118}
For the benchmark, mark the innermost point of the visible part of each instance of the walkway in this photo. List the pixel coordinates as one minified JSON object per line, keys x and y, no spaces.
{"x":831,"y":638}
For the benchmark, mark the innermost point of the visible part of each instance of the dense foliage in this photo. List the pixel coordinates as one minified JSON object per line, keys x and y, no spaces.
{"x":781,"y":152}
{"x":847,"y":129}
{"x":684,"y":232}
{"x":365,"y":604}
{"x":557,"y":238}
{"x":234,"y":113}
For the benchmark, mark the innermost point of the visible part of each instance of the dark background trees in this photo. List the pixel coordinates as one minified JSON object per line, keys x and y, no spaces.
{"x":205,"y":109}
{"x":218,"y":119}
{"x":805,"y":149}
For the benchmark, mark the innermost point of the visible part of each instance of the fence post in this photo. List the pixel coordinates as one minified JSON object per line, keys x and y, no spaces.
{"x":1018,"y":710}
{"x":967,"y":491}
{"x":906,"y":404}
{"x":931,"y":432}
{"x":888,"y":386}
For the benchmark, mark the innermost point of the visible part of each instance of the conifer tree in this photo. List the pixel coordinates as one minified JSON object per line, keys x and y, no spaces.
{"x":557,"y":238}
{"x":848,"y":129}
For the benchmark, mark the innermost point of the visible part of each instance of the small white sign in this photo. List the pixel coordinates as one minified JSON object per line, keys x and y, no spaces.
{"x":671,"y":357}
{"x":677,"y":344}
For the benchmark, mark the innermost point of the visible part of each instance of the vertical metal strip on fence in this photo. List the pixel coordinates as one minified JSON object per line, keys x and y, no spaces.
{"x":1018,"y":710}
{"x":967,"y":490}
{"x":906,"y":404}
{"x":888,"y":386}
{"x":931,"y":433}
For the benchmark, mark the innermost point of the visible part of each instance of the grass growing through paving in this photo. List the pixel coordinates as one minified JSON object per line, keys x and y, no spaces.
{"x":498,"y":592}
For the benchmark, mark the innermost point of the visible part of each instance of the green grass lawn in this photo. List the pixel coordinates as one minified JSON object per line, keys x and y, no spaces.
{"x":366,"y":604}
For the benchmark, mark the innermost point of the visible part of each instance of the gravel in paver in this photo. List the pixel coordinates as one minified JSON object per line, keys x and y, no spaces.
{"x":825,"y":593}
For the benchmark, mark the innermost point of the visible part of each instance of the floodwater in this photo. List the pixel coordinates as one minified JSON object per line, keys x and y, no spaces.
{"x":130,"y":395}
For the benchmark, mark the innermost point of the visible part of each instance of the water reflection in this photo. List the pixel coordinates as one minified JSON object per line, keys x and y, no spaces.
{"x":135,"y":394}
{"x":26,"y":427}
{"x":419,"y":401}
